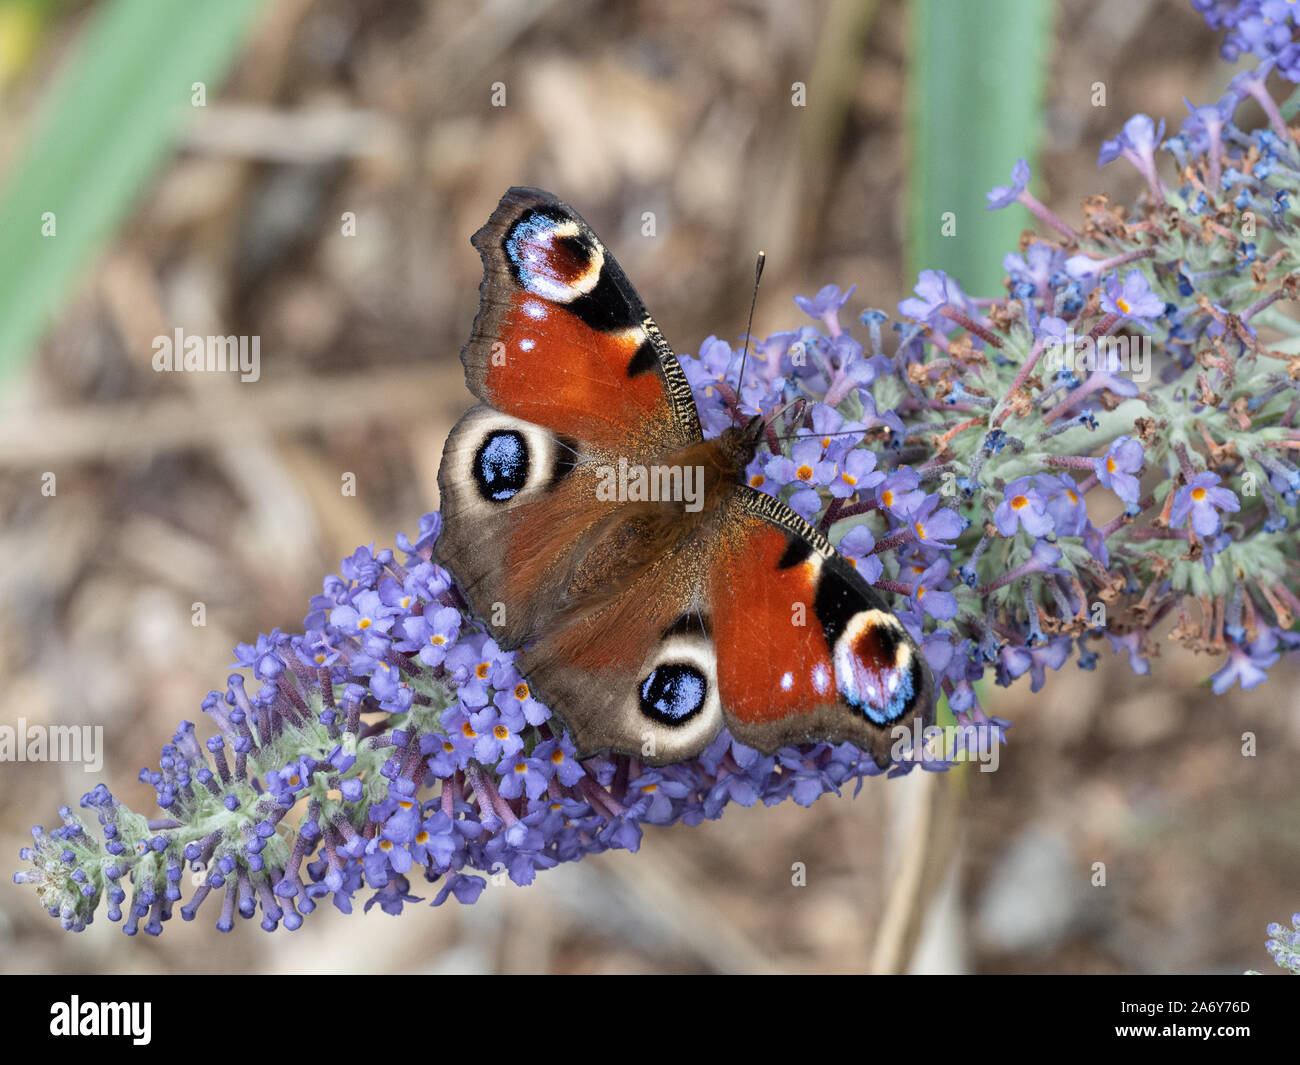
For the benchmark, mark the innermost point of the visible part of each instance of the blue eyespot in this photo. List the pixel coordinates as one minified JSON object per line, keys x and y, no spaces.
{"x":501,"y":465}
{"x":873,"y":681}
{"x":673,"y":694}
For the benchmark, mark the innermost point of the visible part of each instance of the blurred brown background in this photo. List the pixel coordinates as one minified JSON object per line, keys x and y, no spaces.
{"x":181,"y":488}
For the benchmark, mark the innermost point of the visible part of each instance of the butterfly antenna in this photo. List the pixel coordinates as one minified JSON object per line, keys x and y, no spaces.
{"x":808,"y":434}
{"x":758,"y":274}
{"x":798,"y":401}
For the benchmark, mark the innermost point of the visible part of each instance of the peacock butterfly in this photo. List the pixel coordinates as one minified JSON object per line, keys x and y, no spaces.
{"x":656,"y":595}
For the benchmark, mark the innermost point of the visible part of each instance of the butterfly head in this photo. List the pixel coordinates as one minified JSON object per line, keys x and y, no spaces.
{"x":752,"y":430}
{"x":734,"y":449}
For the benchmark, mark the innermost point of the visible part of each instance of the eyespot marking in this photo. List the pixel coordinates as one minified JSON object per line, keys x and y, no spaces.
{"x":875,"y":669}
{"x":501,"y":465}
{"x":551,"y":256}
{"x":673,"y":693}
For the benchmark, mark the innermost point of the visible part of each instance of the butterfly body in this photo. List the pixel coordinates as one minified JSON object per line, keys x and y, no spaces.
{"x":655,"y":595}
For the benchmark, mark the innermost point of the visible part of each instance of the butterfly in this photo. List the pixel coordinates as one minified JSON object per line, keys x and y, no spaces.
{"x":657,"y":597}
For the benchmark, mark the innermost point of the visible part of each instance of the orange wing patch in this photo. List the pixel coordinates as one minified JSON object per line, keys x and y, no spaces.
{"x":773,"y":660}
{"x":555,"y":370}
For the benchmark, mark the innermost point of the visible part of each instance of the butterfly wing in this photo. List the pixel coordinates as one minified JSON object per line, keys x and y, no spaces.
{"x":617,"y":653}
{"x":563,"y":341}
{"x":806,"y":650}
{"x":570,"y":370}
{"x":637,"y":673}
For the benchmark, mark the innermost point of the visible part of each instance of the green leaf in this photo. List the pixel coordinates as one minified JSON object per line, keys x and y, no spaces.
{"x":975,"y":88}
{"x":108,"y":124}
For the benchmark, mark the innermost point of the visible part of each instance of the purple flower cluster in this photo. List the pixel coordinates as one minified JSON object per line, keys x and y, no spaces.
{"x":1284,"y":944}
{"x":1109,"y":444}
{"x":407,"y":742}
{"x":1262,"y":28}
